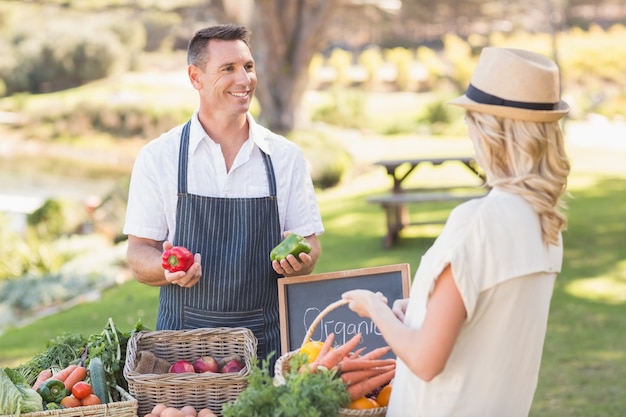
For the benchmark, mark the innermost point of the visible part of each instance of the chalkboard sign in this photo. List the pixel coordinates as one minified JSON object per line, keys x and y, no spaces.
{"x":303,"y":298}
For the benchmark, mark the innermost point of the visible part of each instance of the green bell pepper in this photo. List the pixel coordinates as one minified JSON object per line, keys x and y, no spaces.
{"x":52,"y":391}
{"x":293,"y":244}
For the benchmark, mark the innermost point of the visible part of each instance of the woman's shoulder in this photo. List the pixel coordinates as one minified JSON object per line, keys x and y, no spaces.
{"x":497,"y":205}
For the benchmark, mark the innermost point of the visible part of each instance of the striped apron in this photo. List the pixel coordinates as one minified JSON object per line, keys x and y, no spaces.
{"x":238,"y":287}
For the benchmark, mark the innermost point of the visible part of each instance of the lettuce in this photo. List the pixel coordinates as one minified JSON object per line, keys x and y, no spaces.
{"x":10,"y":397}
{"x":16,"y":396}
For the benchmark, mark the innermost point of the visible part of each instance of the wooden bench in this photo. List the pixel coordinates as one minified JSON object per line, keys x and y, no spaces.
{"x":396,"y":208}
{"x":395,"y":203}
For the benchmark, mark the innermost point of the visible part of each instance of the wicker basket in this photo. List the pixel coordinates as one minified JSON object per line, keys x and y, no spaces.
{"x":282,"y":364}
{"x":126,"y":407}
{"x":206,"y":390}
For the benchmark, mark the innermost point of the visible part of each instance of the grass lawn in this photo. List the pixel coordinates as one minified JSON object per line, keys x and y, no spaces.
{"x":584,"y":362}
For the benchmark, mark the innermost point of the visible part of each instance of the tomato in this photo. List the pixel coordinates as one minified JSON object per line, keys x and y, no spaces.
{"x":70,"y":401}
{"x":81,"y":389}
{"x":91,"y":399}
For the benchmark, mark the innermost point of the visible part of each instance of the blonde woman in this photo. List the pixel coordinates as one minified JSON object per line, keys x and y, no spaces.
{"x":470,"y":337}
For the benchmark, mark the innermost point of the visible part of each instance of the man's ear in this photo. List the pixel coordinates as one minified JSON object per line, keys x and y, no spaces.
{"x":194,"y":76}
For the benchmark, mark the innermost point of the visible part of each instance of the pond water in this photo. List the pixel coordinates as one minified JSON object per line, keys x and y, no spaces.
{"x":44,"y":176}
{"x":27,"y":180}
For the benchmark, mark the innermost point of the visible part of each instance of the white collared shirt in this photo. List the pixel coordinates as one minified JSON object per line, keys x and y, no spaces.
{"x":151,"y":211}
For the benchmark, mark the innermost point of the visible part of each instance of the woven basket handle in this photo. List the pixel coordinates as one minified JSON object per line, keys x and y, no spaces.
{"x":318,"y":319}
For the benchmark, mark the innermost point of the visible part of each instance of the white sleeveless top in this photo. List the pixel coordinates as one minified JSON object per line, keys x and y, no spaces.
{"x":505,"y":274}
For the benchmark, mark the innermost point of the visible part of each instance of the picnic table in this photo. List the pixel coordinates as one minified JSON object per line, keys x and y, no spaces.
{"x":396,"y":202}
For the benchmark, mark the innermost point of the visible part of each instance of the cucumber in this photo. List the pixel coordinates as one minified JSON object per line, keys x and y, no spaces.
{"x":98,"y":379}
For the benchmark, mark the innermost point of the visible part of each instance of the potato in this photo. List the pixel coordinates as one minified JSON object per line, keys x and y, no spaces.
{"x":172,"y":412}
{"x":189,"y":411}
{"x":158,"y":409}
{"x":205,"y":412}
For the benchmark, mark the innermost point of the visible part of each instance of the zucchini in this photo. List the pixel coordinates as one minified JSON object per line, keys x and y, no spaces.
{"x":98,"y":380}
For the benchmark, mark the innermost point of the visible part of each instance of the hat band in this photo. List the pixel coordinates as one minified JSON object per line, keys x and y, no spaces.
{"x":482,"y":97}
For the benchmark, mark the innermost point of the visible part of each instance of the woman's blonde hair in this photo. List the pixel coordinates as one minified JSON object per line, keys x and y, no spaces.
{"x":528,"y":159}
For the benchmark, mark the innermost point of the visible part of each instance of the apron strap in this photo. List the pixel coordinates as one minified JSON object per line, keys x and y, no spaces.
{"x":271,"y":177}
{"x":182,"y":159}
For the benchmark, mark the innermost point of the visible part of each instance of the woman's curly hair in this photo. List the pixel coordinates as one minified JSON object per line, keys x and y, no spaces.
{"x":528,"y":159}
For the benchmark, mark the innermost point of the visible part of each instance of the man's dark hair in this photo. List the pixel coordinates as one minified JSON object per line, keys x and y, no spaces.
{"x":197,"y":50}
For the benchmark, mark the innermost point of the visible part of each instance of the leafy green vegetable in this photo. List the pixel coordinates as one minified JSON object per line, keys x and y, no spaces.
{"x":304,"y":394}
{"x":109,"y":346}
{"x":10,"y":397}
{"x":16,"y":396}
{"x":60,"y":352}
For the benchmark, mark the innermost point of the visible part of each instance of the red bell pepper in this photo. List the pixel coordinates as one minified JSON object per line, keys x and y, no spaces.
{"x":178,"y":258}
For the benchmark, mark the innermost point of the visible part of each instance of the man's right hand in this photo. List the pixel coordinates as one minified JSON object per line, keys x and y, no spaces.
{"x":181,"y":278}
{"x":145,"y":258}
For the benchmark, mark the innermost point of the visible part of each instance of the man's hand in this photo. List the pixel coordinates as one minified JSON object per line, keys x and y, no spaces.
{"x":181,"y":278}
{"x":304,"y":264}
{"x":291,"y":266}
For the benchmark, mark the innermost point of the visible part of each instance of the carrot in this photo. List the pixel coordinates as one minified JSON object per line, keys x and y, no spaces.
{"x":43,"y":376}
{"x":64,"y":373}
{"x":376,"y":353}
{"x":364,"y":387}
{"x":326,"y":347}
{"x":78,"y":374}
{"x":357,"y":353}
{"x":354,"y":377}
{"x":360,"y":364}
{"x":333,"y":357}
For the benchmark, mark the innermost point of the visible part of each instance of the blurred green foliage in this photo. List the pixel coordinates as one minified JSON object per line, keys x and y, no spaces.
{"x":329,"y":161}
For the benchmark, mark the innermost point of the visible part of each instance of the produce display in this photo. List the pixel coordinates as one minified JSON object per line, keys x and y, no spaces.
{"x":151,"y":356}
{"x":319,"y":377}
{"x":73,"y":371}
{"x":76,"y":371}
{"x":178,"y":258}
{"x":67,"y":388}
{"x":362,"y":374}
{"x":293,"y":244}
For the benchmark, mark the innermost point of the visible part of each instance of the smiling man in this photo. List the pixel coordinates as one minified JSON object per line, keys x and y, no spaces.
{"x":228,"y":189}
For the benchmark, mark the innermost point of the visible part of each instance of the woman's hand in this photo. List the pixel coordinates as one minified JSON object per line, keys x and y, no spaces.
{"x":399,"y":308}
{"x":363,"y":302}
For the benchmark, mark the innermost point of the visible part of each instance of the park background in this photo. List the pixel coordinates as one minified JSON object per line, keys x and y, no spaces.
{"x":84,"y":84}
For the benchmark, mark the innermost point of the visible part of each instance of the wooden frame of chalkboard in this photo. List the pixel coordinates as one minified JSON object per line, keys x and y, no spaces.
{"x":302,"y":299}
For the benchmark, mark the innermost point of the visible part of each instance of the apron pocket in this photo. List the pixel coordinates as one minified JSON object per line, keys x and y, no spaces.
{"x":196,"y":318}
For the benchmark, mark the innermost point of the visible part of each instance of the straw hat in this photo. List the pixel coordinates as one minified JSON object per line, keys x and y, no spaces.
{"x":515,"y":84}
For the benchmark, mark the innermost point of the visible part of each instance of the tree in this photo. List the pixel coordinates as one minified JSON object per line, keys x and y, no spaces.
{"x":286,"y":35}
